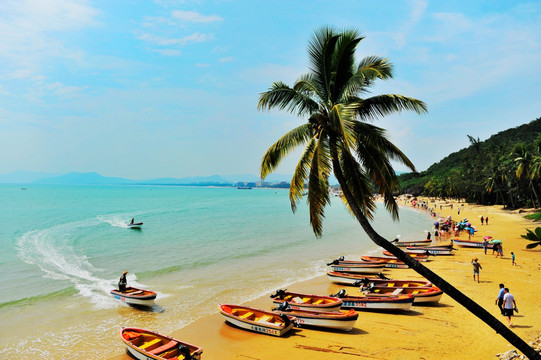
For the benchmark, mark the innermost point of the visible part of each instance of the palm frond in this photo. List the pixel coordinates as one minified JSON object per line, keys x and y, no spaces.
{"x":320,"y":50}
{"x":531,"y":246}
{"x":344,"y":62}
{"x":383,"y":105}
{"x":283,"y":97}
{"x":284,"y":146}
{"x":318,"y":186}
{"x":296,"y":189}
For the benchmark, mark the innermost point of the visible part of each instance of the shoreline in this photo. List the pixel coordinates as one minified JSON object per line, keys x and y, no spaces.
{"x":439,"y":331}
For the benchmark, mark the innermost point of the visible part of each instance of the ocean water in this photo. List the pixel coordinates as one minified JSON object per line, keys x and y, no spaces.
{"x":64,"y":248}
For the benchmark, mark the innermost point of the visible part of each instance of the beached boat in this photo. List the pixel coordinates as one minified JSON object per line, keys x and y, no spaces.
{"x":306,"y":301}
{"x":376,"y":303}
{"x":257,"y":320}
{"x":421,"y":295}
{"x":393,"y":283}
{"x":418,"y":257}
{"x":135,"y":296}
{"x":411,"y":243}
{"x":359,"y":268}
{"x":389,"y":262}
{"x":338,"y":320}
{"x":429,"y":250}
{"x":148,"y":345}
{"x":470,"y":243}
{"x":351,"y":279}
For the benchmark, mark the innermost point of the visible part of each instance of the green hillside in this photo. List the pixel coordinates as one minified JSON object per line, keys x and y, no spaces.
{"x":504,"y":169}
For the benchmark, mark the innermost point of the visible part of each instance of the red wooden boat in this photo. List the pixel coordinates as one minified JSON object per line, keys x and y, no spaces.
{"x":307,"y":301}
{"x":257,"y":320}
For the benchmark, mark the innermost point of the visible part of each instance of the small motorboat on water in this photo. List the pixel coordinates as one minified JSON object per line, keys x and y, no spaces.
{"x":146,"y":344}
{"x":257,"y":320}
{"x":338,"y":320}
{"x":133,"y":225}
{"x":135,"y":296}
{"x":307,"y":301}
{"x":376,"y":303}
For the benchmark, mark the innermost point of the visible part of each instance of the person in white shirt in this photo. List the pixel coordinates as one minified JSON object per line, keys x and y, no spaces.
{"x":509,"y":305}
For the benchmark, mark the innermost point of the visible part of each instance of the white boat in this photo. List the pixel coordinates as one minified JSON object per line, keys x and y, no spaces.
{"x":429,"y":250}
{"x":411,"y":243}
{"x":376,"y":303}
{"x":470,"y":243}
{"x":338,"y":320}
{"x":360,"y":268}
{"x":135,"y":296}
{"x":306,"y":301}
{"x":257,"y":320}
{"x":349,"y":278}
{"x":135,"y":225}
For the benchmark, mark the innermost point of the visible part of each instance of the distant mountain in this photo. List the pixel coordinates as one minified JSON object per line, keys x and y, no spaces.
{"x":194,"y":180}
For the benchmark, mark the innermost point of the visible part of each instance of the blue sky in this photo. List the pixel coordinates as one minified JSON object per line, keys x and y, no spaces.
{"x":166,"y":88}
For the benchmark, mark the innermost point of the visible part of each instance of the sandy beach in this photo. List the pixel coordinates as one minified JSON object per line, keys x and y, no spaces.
{"x":442,"y":331}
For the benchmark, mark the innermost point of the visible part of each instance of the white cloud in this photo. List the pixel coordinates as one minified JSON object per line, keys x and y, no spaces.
{"x":192,"y":16}
{"x":226,"y":59}
{"x":164,"y":41}
{"x":169,"y":52}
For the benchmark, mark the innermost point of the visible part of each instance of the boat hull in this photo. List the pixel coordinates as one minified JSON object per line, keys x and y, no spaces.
{"x":347,"y":278}
{"x":359,"y":269}
{"x":418,"y":257}
{"x":258,"y":321}
{"x":389,"y":262}
{"x":135,"y":296}
{"x":299,"y":301}
{"x":388,"y":303}
{"x":420,"y":295}
{"x":431,"y":251}
{"x":149,"y":345}
{"x":340,"y":320}
{"x":411,"y":243}
{"x":470,"y":244}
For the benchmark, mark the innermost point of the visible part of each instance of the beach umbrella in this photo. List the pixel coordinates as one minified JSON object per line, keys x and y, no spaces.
{"x":487,"y":237}
{"x":495,"y":241}
{"x":468,"y":224}
{"x":436,"y":223}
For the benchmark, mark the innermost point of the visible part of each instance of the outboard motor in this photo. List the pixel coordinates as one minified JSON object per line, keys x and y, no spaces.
{"x":285,"y":319}
{"x":283,"y":306}
{"x":381,"y":276}
{"x":183,"y":350}
{"x":336,"y":261}
{"x":279,"y":293}
{"x":340,"y":294}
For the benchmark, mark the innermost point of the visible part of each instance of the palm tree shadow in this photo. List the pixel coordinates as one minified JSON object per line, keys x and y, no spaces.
{"x":435,"y":305}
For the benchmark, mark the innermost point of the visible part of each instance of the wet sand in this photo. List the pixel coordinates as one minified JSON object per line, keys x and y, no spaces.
{"x":442,"y":331}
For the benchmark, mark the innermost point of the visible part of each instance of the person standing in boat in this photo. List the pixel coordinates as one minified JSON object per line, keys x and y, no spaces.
{"x":132,"y":221}
{"x":123,"y":282}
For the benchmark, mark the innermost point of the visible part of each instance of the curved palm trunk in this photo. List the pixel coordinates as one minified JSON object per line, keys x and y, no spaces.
{"x":450,"y":290}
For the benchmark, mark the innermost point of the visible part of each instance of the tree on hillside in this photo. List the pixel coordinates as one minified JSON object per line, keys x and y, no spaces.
{"x":339,"y":139}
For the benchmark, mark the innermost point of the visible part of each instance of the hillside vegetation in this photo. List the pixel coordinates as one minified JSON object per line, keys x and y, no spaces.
{"x":504,"y":169}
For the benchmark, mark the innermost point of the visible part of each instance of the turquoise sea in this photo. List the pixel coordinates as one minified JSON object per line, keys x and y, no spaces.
{"x":64,"y":248}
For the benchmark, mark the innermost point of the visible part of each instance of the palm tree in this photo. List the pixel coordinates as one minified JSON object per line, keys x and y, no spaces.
{"x":338,"y":139}
{"x":533,"y":236}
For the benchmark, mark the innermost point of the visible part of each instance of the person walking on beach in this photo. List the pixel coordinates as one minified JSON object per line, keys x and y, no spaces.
{"x":123,"y":282}
{"x":486,"y":220}
{"x":485,"y":245}
{"x":482,"y":220}
{"x":499,"y":299}
{"x":476,"y":268}
{"x":509,"y":305}
{"x":513,"y":258}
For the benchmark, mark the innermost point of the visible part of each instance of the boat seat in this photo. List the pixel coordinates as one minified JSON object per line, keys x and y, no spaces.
{"x":318,"y":302}
{"x":151,"y":344}
{"x":405,"y":285}
{"x":246,"y":315}
{"x":165,"y":347}
{"x":135,"y":292}
{"x":396,"y":292}
{"x":265,"y":318}
{"x":415,"y":292}
{"x":390,"y":284}
{"x":306,"y":300}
